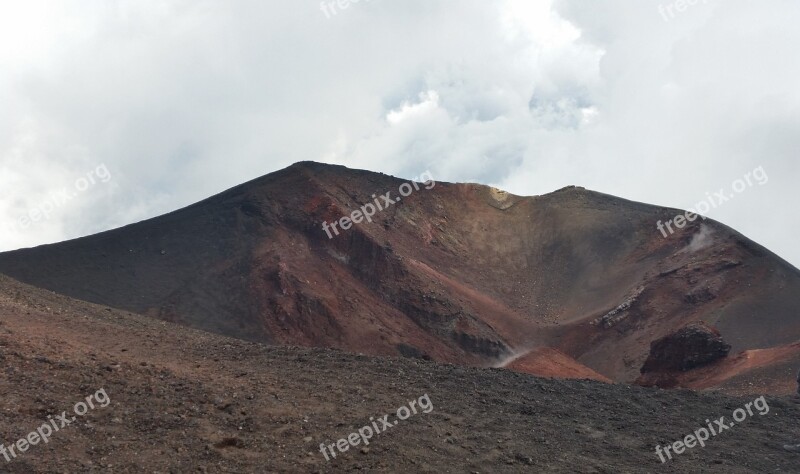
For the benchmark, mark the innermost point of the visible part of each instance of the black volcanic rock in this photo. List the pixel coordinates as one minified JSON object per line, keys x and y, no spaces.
{"x":693,"y":346}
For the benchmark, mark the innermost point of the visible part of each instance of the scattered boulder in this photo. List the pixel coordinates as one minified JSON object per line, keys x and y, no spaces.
{"x":693,"y":346}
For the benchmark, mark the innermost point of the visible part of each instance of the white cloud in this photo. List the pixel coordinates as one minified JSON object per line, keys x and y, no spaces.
{"x":429,"y":102}
{"x":182,"y":99}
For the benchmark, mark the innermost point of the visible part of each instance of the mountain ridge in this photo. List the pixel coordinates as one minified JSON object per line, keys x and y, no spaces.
{"x":457,"y":273}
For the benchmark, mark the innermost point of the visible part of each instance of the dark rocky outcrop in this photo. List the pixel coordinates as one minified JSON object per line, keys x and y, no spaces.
{"x":693,"y":346}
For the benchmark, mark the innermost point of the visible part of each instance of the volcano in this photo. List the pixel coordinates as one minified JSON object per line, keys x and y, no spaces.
{"x":572,"y":284}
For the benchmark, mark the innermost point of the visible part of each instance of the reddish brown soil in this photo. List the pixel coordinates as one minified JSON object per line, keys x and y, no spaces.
{"x":548,"y":362}
{"x":458,"y":273}
{"x":187,"y":401}
{"x":754,"y":371}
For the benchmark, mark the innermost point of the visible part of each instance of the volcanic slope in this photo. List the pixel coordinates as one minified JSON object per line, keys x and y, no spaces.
{"x":458,"y":273}
{"x":183,"y":400}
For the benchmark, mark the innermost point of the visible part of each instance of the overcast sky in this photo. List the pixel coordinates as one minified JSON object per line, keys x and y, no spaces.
{"x":116,"y":111}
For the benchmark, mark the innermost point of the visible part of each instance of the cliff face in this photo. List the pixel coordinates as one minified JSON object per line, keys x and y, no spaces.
{"x":459,"y":273}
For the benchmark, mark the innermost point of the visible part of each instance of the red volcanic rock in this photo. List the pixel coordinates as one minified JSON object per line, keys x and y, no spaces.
{"x":459,"y":273}
{"x":693,"y":346}
{"x":549,"y":362}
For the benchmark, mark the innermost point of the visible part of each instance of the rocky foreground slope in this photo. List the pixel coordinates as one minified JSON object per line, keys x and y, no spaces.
{"x":571,"y":283}
{"x":182,"y":400}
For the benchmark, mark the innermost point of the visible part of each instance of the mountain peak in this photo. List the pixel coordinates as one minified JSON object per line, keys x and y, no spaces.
{"x":456,"y":273}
